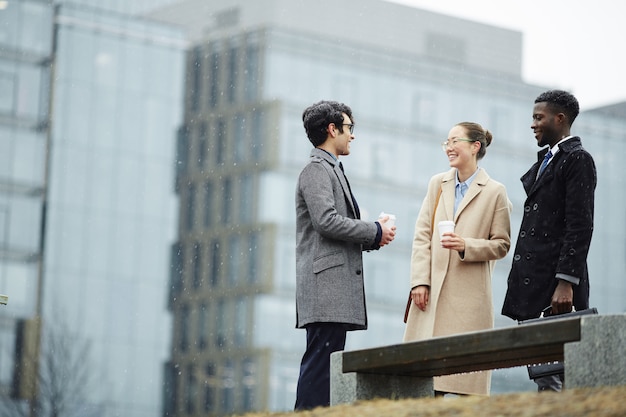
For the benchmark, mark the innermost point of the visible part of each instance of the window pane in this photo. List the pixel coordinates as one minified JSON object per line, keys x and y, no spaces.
{"x":253,"y":257}
{"x":196,"y":78}
{"x":208,"y":204}
{"x":246,"y":199}
{"x":213,"y":71}
{"x":191,"y":195}
{"x":202,"y":144}
{"x":234,"y":258}
{"x":249,"y":378}
{"x":252,"y":69}
{"x":228,"y":387}
{"x":8,"y":87}
{"x":184,"y":329}
{"x":203,"y":328}
{"x":215,"y":264}
{"x":36,"y":29}
{"x":227,"y":201}
{"x":232,"y":73}
{"x":197,"y":266}
{"x":241,"y":325}
{"x":221,"y":141}
{"x":239,"y":132}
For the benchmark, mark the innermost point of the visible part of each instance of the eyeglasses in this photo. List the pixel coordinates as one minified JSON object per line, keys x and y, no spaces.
{"x":351,"y":127}
{"x":452,"y":143}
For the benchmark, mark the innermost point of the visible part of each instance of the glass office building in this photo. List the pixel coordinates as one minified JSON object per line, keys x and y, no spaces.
{"x":251,"y":71}
{"x":25,"y":55}
{"x":123,"y":195}
{"x":90,"y":104}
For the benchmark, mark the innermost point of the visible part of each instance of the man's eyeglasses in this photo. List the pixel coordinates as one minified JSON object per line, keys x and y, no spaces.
{"x":351,"y":127}
{"x":452,"y":143}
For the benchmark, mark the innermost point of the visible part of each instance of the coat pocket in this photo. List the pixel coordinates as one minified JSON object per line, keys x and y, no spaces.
{"x":329,"y":260}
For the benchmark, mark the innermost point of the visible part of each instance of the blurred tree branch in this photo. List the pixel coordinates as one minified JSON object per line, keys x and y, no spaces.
{"x":64,"y":377}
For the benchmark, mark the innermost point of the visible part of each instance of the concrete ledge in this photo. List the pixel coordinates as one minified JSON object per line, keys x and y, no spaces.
{"x":591,"y":346}
{"x":346,"y":388}
{"x":599,"y":358}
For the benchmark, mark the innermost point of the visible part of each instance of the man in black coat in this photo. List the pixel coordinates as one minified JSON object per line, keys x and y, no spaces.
{"x":549,"y":266}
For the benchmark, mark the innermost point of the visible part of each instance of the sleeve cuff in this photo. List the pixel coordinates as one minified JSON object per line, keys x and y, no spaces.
{"x":379,"y":235}
{"x":568,"y":278}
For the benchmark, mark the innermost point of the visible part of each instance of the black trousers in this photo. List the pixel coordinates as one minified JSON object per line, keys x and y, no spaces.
{"x":322,"y":339}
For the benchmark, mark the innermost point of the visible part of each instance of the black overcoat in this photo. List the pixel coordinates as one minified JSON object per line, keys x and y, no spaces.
{"x":555,"y":232}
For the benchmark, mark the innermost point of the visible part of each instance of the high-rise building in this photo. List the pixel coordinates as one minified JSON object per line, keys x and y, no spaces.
{"x":122,"y":196}
{"x":409,"y":75}
{"x":90,"y":101}
{"x":26,"y":50}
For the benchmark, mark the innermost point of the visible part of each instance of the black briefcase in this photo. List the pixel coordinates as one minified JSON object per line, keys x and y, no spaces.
{"x":552,"y":368}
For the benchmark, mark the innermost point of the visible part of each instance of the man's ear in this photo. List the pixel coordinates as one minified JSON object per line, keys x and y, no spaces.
{"x":561,"y":118}
{"x":332,"y":130}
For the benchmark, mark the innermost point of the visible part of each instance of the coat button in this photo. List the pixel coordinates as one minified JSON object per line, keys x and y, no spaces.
{"x":517,"y":257}
{"x":358,"y":272}
{"x":526,"y":281}
{"x":528,"y":256}
{"x":535,"y":206}
{"x":527,"y":209}
{"x":522,"y":233}
{"x":532,"y":232}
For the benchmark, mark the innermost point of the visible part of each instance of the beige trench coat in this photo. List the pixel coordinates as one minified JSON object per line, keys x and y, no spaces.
{"x":460,"y":286}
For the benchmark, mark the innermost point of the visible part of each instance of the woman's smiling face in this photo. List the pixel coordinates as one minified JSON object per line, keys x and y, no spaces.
{"x":460,"y":152}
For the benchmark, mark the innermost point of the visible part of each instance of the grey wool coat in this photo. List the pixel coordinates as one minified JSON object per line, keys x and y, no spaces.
{"x":460,"y":286}
{"x":330,"y":240}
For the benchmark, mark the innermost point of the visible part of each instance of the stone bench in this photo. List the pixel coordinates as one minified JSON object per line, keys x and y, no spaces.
{"x":592,"y":347}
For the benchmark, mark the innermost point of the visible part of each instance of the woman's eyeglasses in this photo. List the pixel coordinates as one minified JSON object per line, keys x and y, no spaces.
{"x":452,"y":143}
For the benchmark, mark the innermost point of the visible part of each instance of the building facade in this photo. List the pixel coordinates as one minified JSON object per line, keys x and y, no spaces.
{"x":123,"y":195}
{"x":25,"y":56}
{"x":251,"y":71}
{"x":90,"y":104}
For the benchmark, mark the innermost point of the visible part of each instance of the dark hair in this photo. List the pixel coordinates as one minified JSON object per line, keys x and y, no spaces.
{"x":561,"y":102}
{"x":319,"y":115}
{"x":477,"y":133}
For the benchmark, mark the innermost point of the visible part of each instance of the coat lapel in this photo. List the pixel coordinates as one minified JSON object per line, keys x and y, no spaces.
{"x":447,"y":193}
{"x":530,"y":181}
{"x":334,"y":165}
{"x":346,"y":189}
{"x":474,"y":189}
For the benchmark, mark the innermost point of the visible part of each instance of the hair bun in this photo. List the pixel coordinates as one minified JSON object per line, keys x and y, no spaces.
{"x":488,"y":137}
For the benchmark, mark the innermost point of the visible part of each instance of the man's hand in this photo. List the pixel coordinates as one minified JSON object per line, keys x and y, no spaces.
{"x":389,"y":233}
{"x":563,"y":298}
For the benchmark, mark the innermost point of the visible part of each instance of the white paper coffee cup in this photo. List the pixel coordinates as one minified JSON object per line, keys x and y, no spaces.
{"x":391,"y":221}
{"x":445,"y":226}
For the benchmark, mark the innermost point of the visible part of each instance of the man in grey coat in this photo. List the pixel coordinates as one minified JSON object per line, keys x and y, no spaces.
{"x":550,"y":262}
{"x":330,"y":239}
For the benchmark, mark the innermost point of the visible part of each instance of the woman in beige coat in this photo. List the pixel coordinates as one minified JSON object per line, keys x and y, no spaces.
{"x":451,"y":277}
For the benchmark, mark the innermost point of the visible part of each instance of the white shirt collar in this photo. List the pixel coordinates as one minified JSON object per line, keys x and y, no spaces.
{"x":468,"y":181}
{"x":555,"y":148}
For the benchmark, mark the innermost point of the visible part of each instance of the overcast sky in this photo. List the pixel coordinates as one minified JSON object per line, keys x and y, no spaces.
{"x":575,"y":45}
